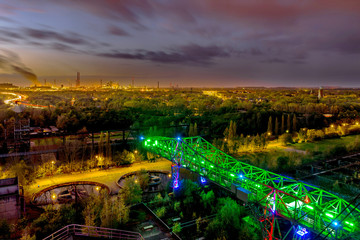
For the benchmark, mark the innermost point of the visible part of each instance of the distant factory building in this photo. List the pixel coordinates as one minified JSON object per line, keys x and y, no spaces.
{"x":7,"y":85}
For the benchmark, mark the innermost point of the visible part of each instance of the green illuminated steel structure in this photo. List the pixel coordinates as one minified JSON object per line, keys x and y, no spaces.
{"x":279,"y":196}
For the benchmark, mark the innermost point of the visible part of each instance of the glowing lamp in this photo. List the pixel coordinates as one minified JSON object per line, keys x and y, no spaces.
{"x":203,"y":180}
{"x":302,"y":231}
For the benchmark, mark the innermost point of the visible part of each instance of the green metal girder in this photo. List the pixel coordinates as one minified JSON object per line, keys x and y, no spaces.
{"x":296,"y":201}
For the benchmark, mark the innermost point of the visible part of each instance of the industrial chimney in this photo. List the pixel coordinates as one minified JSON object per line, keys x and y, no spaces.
{"x":77,"y":84}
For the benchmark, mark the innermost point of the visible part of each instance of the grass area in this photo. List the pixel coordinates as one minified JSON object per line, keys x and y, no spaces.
{"x":47,"y":141}
{"x":325,"y":144}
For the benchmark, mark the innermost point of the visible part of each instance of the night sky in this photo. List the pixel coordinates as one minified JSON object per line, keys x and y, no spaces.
{"x":191,"y":43}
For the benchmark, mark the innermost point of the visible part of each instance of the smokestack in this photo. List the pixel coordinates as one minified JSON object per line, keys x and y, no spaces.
{"x":10,"y":61}
{"x":158,"y":84}
{"x":100,"y":83}
{"x":45,"y":82}
{"x":77,"y":84}
{"x":132,"y":82}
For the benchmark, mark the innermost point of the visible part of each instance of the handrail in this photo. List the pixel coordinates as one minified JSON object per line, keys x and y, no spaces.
{"x":91,"y":231}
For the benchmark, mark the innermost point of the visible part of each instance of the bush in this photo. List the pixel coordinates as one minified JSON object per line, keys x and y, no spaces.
{"x":4,"y":228}
{"x":160,"y":212}
{"x":337,"y":151}
{"x":285,"y":139}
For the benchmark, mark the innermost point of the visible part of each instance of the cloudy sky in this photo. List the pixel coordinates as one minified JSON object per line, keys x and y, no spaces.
{"x":186,"y":42}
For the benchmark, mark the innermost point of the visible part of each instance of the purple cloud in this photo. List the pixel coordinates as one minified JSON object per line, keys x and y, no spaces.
{"x":114,"y":30}
{"x":184,"y":54}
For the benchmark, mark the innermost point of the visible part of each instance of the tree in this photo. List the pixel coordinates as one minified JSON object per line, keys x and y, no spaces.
{"x":124,"y":158}
{"x":176,"y":228}
{"x":285,"y":139}
{"x":101,"y":145}
{"x":208,"y":201}
{"x":108,"y":154}
{"x":191,"y":130}
{"x":228,"y":222}
{"x":53,"y":219}
{"x":143,"y":178}
{"x":71,"y":151}
{"x":195,"y":130}
{"x":269,"y":129}
{"x":230,"y":132}
{"x":230,"y":135}
{"x":131,"y":191}
{"x":288,"y":125}
{"x":121,"y":211}
{"x":24,"y":172}
{"x":160,"y":212}
{"x":294,"y":127}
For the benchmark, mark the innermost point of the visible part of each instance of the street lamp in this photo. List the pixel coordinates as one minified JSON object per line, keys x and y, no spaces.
{"x":52,"y":167}
{"x":53,"y":197}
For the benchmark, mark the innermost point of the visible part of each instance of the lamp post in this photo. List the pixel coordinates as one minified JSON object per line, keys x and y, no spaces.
{"x":52,"y":167}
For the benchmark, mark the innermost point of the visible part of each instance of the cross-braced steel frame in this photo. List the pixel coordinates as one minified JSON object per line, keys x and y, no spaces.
{"x":279,"y":196}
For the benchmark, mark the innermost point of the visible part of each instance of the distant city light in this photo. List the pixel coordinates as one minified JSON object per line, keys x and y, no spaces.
{"x":142,"y":138}
{"x":178,"y":138}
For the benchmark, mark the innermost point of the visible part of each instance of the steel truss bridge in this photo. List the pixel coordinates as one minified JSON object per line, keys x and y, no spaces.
{"x":305,"y":207}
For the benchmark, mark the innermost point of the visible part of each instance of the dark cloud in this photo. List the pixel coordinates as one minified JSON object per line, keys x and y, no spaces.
{"x":129,"y":11}
{"x":185,"y":54}
{"x":70,"y":38}
{"x":5,"y":32}
{"x":118,"y":31}
{"x":256,"y":51}
{"x":63,"y":47}
{"x":275,"y":60}
{"x":349,"y":45}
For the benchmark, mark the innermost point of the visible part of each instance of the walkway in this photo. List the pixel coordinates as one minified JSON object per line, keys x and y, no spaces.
{"x":108,"y":176}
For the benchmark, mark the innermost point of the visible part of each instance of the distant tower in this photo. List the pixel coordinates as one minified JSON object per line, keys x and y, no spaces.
{"x":101,"y":83}
{"x":77,"y":84}
{"x":321,"y":93}
{"x":158,"y":84}
{"x":132,"y":83}
{"x":45,"y":82}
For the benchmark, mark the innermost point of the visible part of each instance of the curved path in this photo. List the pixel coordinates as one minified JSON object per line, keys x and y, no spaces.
{"x":107,"y":177}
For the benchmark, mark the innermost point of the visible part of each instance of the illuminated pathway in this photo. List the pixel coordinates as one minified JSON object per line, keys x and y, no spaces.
{"x":305,"y":206}
{"x":107,"y":177}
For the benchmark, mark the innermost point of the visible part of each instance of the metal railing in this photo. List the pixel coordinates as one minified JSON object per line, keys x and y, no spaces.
{"x":90,"y":231}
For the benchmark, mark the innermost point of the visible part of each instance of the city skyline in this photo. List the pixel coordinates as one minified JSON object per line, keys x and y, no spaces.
{"x":185,"y":43}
